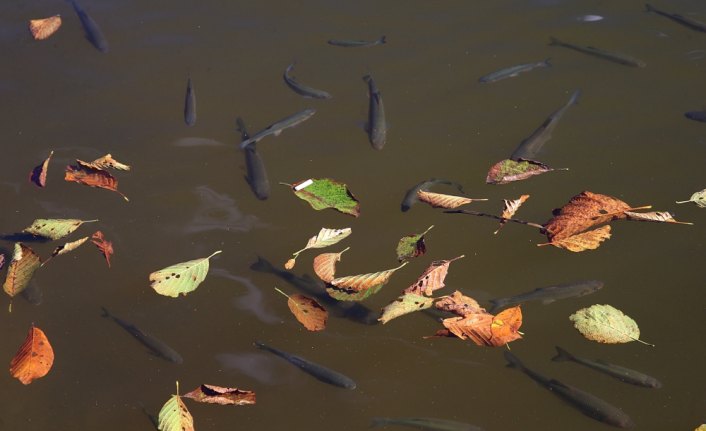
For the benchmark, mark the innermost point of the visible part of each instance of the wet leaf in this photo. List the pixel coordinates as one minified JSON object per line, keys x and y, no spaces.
{"x":584,"y":211}
{"x":181,"y":278}
{"x":439,"y":200}
{"x":325,"y":265}
{"x":459,"y":304}
{"x":605,"y":324}
{"x":324,"y":238}
{"x":412,"y":246}
{"x":105,"y":162}
{"x":405,"y":304}
{"x":54,"y":228}
{"x":474,"y":326}
{"x":308,"y":312}
{"x":34,"y":359}
{"x":508,"y":170}
{"x":174,"y":416}
{"x":699,"y":198}
{"x":39,"y":174}
{"x":44,"y":27}
{"x":510,"y":209}
{"x":654,"y":216}
{"x":701,"y":428}
{"x":343,"y":294}
{"x":219,"y":395}
{"x":24,"y":262}
{"x":2,"y":260}
{"x":506,"y":325}
{"x":105,"y":247}
{"x":590,"y":240}
{"x":432,"y":279}
{"x":326,"y":193}
{"x":92,"y":177}
{"x":362,"y":282}
{"x":66,"y":248}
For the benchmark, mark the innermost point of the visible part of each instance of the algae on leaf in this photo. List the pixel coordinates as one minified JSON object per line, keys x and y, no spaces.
{"x":326,"y":193}
{"x":606,"y":324}
{"x":412,"y":246}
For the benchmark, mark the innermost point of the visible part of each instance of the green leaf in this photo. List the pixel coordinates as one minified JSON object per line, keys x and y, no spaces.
{"x":181,"y":278}
{"x":342,"y":294}
{"x":405,"y":304}
{"x":174,"y":415}
{"x":606,"y":324}
{"x":54,"y":228}
{"x":508,"y":170}
{"x":24,"y":263}
{"x":699,"y":198}
{"x":326,"y":193}
{"x":412,"y":246}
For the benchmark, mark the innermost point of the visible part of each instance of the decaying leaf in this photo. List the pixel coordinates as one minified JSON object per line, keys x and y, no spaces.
{"x":508,"y":170}
{"x":325,"y":265}
{"x":308,"y":312}
{"x":105,"y":162}
{"x":324,"y":238}
{"x":92,"y":177}
{"x":34,"y":359}
{"x":506,"y":326}
{"x":66,"y":248}
{"x":220,"y":395}
{"x":605,"y":324}
{"x":24,"y":262}
{"x":38,"y":175}
{"x":326,"y":193}
{"x":54,"y":228}
{"x":174,"y":416}
{"x":351,"y":295}
{"x":510,"y":209}
{"x":439,"y":200}
{"x":699,"y":198}
{"x":432,"y":279}
{"x":590,"y":240}
{"x":181,"y":278}
{"x":405,"y":304}
{"x":584,"y":211}
{"x":44,"y":27}
{"x":105,"y":247}
{"x":484,"y":329}
{"x":412,"y":246}
{"x":359,"y":287}
{"x":655,"y":216}
{"x":2,"y":260}
{"x":459,"y":304}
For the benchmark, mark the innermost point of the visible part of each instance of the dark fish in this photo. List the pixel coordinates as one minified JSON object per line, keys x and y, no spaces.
{"x":277,"y":127}
{"x":590,"y":405}
{"x":625,"y":374}
{"x":93,"y":32}
{"x":549,"y":294}
{"x":530,"y":147}
{"x":190,"y":104}
{"x":322,"y":373}
{"x":156,"y":346}
{"x":304,"y":90}
{"x":615,"y":57}
{"x":410,"y":198}
{"x":357,"y":43}
{"x":696,"y":116}
{"x":256,"y":173}
{"x":430,"y":424}
{"x":511,"y":72}
{"x":685,"y":21}
{"x":376,"y":127}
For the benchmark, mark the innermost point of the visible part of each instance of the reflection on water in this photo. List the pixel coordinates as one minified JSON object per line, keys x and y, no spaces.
{"x":255,"y":365}
{"x":218,"y":211}
{"x":194,"y":141}
{"x":253,"y":301}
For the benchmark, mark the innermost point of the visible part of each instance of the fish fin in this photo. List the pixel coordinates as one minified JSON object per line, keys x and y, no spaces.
{"x":262,"y":265}
{"x":241,"y":128}
{"x":497,"y":304}
{"x":574,"y":100}
{"x":555,"y":382}
{"x":278,"y":132}
{"x":104,"y":312}
{"x":562,"y":355}
{"x":554,"y":41}
{"x":367,"y":78}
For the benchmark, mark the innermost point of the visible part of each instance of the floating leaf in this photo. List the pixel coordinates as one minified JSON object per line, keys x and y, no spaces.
{"x":24,"y":262}
{"x":474,"y":326}
{"x":325,"y":265}
{"x":174,"y":416}
{"x":506,"y":325}
{"x":352,"y":295}
{"x":181,"y":278}
{"x":324,"y":238}
{"x":605,"y":324}
{"x":34,"y":359}
{"x":584,"y":211}
{"x":439,"y":200}
{"x":432,"y":279}
{"x":105,"y":247}
{"x":459,"y":304}
{"x":510,"y":209}
{"x":405,"y":304}
{"x":44,"y":27}
{"x":39,"y":174}
{"x":2,"y":260}
{"x":361,"y":282}
{"x":219,"y":395}
{"x":699,"y":198}
{"x":54,"y":228}
{"x":701,"y":427}
{"x":66,"y":248}
{"x":655,"y":216}
{"x":508,"y":170}
{"x":590,"y":240}
{"x":326,"y":193}
{"x":105,"y":162}
{"x":307,"y":311}
{"x":92,"y":177}
{"x":412,"y":246}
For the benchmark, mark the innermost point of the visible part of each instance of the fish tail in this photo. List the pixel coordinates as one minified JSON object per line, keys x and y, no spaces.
{"x":377,"y":422}
{"x":383,"y":39}
{"x":513,"y":361}
{"x":575,"y":97}
{"x":562,"y":355}
{"x":547,"y":63}
{"x":367,"y":77}
{"x":262,"y":265}
{"x":497,"y":304}
{"x":554,"y":41}
{"x":649,"y":8}
{"x":241,"y":128}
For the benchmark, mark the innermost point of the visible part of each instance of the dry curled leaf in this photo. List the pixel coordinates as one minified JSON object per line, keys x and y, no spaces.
{"x":459,"y":304}
{"x":34,"y":359}
{"x":324,"y":238}
{"x":308,"y":312}
{"x":584,"y":211}
{"x":105,"y":162}
{"x":44,"y":27}
{"x":325,"y":265}
{"x":66,"y":248}
{"x":510,"y":209}
{"x":474,"y":326}
{"x":590,"y":240}
{"x":92,"y":177}
{"x":219,"y":395}
{"x":105,"y":247}
{"x":439,"y":200}
{"x":38,"y":175}
{"x":432,"y":279}
{"x":654,"y":216}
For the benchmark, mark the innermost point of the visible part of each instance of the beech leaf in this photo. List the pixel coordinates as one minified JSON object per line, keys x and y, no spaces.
{"x":439,"y":200}
{"x":174,"y":416}
{"x":34,"y":359}
{"x":589,"y":240}
{"x":91,"y":177}
{"x":325,"y":265}
{"x":54,"y":228}
{"x":39,"y":174}
{"x":352,"y":295}
{"x":510,"y":209}
{"x":605,"y":324}
{"x":105,"y":162}
{"x":459,"y":304}
{"x":474,"y":326}
{"x":412,"y":246}
{"x":405,"y":304}
{"x":307,"y":311}
{"x":181,"y":278}
{"x":654,"y":216}
{"x":66,"y":248}
{"x":326,"y":193}
{"x":359,"y":287}
{"x":324,"y":238}
{"x":105,"y":247}
{"x":584,"y":211}
{"x":699,"y":198}
{"x":432,"y":279}
{"x":2,"y":260}
{"x":24,"y":262}
{"x":508,"y":170}
{"x":506,"y":325}
{"x":44,"y":27}
{"x":219,"y":395}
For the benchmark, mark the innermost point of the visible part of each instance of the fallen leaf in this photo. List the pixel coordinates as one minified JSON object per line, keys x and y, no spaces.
{"x":364,"y":281}
{"x":584,"y":211}
{"x":54,"y":228}
{"x":2,"y":260}
{"x":325,"y":265}
{"x":699,"y":198}
{"x":405,"y":304}
{"x":432,"y":279}
{"x":510,"y":209}
{"x":92,"y":178}
{"x":590,"y":240}
{"x":181,"y":278}
{"x":219,"y":395}
{"x":44,"y":27}
{"x":412,"y":246}
{"x":24,"y":262}
{"x":66,"y":248}
{"x":439,"y":200}
{"x":105,"y":247}
{"x":351,"y":295}
{"x":39,"y":174}
{"x":459,"y":304}
{"x":508,"y":170}
{"x":506,"y":325}
{"x":34,"y":359}
{"x":655,"y":216}
{"x":324,"y":238}
{"x":174,"y":416}
{"x":105,"y":162}
{"x":474,"y":326}
{"x":308,"y":312}
{"x":605,"y":324}
{"x":326,"y":193}
{"x":701,"y":427}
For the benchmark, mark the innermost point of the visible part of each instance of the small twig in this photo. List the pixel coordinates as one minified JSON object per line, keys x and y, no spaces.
{"x":480,"y":214}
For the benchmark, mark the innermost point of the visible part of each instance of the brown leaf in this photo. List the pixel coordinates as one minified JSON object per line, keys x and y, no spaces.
{"x":34,"y":359}
{"x":363,"y":282}
{"x":510,"y":209}
{"x":474,"y":326}
{"x":584,"y":211}
{"x":24,"y":262}
{"x":220,"y":395}
{"x":325,"y":265}
{"x":308,"y":312}
{"x":439,"y":200}
{"x":92,"y":177}
{"x":590,"y":240}
{"x":654,"y":216}
{"x":105,"y":247}
{"x":432,"y":279}
{"x":505,"y":326}
{"x":39,"y":174}
{"x":44,"y":27}
{"x":459,"y":304}
{"x":105,"y":162}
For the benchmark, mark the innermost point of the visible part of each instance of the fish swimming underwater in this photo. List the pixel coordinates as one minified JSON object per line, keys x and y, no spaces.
{"x":277,"y":127}
{"x":256,"y":174}
{"x":93,"y":32}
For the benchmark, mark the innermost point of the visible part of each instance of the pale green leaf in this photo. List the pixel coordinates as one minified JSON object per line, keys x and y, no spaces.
{"x":174,"y":416}
{"x":54,"y":228}
{"x":405,"y":304}
{"x":181,"y":278}
{"x":605,"y":324}
{"x":699,"y":198}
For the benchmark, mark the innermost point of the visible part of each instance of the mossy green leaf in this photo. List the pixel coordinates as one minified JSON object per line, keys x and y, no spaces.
{"x":412,"y":246}
{"x":326,"y":193}
{"x":699,"y":198}
{"x":605,"y":324}
{"x":181,"y":278}
{"x":54,"y":228}
{"x":405,"y":304}
{"x":508,"y":170}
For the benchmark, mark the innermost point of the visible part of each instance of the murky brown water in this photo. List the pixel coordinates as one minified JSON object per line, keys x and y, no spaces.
{"x":627,"y":138}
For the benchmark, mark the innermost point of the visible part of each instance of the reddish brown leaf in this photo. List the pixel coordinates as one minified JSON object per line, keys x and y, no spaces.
{"x":459,"y":304}
{"x":584,"y":211}
{"x":474,"y":326}
{"x":34,"y":359}
{"x":39,"y":174}
{"x":432,"y":279}
{"x":86,"y":175}
{"x":44,"y":27}
{"x":220,"y":395}
{"x":505,"y":326}
{"x":24,"y":262}
{"x":105,"y":247}
{"x":2,"y":260}
{"x":325,"y":265}
{"x":308,"y":312}
{"x":590,"y":240}
{"x":105,"y":162}
{"x":439,"y":200}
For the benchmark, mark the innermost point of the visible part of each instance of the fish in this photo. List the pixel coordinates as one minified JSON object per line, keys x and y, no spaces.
{"x":530,"y":146}
{"x":621,"y":373}
{"x":430,"y":424}
{"x":549,"y":294}
{"x":357,"y":43}
{"x":590,"y":18}
{"x":93,"y":32}
{"x":615,"y":57}
{"x":376,"y":127}
{"x":304,"y":90}
{"x":513,"y":71}
{"x":277,"y":127}
{"x":190,"y":104}
{"x":588,"y":404}
{"x":158,"y":347}
{"x":685,"y":21}
{"x":410,"y":197}
{"x":256,"y":174}
{"x":320,"y":372}
{"x":696,"y":116}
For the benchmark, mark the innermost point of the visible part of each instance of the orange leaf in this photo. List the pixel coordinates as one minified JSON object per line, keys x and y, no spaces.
{"x":584,"y":211}
{"x":590,"y":240}
{"x":432,"y":279}
{"x":92,"y":177}
{"x":34,"y":359}
{"x":219,"y":395}
{"x":44,"y":27}
{"x":105,"y":247}
{"x":505,"y":326}
{"x":39,"y":174}
{"x":308,"y":312}
{"x":439,"y":200}
{"x":474,"y":326}
{"x":24,"y":262}
{"x":510,"y":209}
{"x":104,"y":162}
{"x":459,"y":304}
{"x":325,"y":265}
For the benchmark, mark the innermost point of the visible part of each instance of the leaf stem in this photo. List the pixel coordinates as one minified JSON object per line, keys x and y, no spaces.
{"x":685,"y":202}
{"x":480,"y":214}
{"x":214,"y":253}
{"x":277,"y":289}
{"x":285,"y":184}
